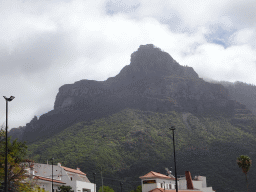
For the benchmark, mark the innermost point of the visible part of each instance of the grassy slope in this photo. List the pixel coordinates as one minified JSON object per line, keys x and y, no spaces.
{"x":131,"y":143}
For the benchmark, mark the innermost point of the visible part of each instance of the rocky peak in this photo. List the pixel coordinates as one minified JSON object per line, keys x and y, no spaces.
{"x":149,"y":60}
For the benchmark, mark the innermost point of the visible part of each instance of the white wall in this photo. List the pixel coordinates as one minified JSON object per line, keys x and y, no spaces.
{"x":166,"y":182}
{"x":80,"y":185}
{"x":182,"y":184}
{"x":202,"y":178}
{"x":77,"y":183}
{"x":148,"y":187}
{"x":197,"y":184}
{"x":47,"y":185}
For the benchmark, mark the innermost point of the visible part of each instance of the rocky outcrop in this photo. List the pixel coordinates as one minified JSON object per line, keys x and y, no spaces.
{"x":153,"y":81}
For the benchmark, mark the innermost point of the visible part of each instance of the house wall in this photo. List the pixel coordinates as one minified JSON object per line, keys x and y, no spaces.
{"x":148,"y":187}
{"x":207,"y":189}
{"x":47,"y":185}
{"x":182,"y":184}
{"x":45,"y":170}
{"x":70,"y":179}
{"x":166,"y":182}
{"x":197,"y":184}
{"x":80,"y":185}
{"x":78,"y":181}
{"x":202,"y":178}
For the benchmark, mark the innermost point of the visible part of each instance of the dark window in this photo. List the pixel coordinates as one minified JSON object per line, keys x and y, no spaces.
{"x":149,"y":181}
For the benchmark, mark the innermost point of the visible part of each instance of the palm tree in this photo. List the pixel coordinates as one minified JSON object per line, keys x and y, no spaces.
{"x":244,"y":162}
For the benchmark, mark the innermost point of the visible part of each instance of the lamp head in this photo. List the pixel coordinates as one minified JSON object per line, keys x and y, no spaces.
{"x":9,"y":99}
{"x":172,"y":128}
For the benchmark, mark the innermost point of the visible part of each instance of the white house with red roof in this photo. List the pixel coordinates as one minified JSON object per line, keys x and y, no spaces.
{"x":42,"y":174}
{"x":157,"y":182}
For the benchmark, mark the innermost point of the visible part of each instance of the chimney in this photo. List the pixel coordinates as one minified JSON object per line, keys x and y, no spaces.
{"x":59,"y":165}
{"x":189,"y":180}
{"x":78,"y":169}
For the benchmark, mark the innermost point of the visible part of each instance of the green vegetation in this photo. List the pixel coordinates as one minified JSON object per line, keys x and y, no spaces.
{"x":138,"y":189}
{"x":244,"y":162}
{"x":64,"y":188}
{"x":131,"y":143}
{"x":16,"y":170}
{"x":106,"y":189}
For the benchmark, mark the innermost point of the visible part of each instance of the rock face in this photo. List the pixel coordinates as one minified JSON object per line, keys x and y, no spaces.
{"x":153,"y":81}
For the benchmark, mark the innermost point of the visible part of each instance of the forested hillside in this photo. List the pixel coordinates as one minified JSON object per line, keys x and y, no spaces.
{"x":131,"y":143}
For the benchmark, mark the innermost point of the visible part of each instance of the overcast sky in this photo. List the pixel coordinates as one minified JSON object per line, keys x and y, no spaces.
{"x":45,"y":44}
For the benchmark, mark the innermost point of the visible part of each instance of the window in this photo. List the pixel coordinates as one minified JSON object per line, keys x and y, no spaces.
{"x":71,"y":178}
{"x":149,"y":181}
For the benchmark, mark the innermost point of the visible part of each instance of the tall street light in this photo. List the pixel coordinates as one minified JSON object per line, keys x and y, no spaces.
{"x":52,"y":174}
{"x":121,"y":184}
{"x":173,"y":128}
{"x":94,"y":181}
{"x":6,"y":147}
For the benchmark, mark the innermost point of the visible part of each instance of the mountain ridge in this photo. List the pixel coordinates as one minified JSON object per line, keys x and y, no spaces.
{"x":153,"y":81}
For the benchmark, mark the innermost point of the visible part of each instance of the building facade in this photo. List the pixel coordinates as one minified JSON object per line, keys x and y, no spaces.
{"x":157,"y":182}
{"x":75,"y":178}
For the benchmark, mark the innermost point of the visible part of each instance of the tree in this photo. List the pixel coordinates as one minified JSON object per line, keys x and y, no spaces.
{"x":16,"y":168}
{"x":244,"y":162}
{"x":106,"y":189}
{"x":64,"y":188}
{"x":138,"y":189}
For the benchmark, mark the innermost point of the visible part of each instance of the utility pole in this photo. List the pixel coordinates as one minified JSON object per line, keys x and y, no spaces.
{"x":52,"y":174}
{"x":176,"y":185}
{"x":101,"y":178}
{"x":121,"y":186}
{"x":94,"y":181}
{"x":6,"y":142}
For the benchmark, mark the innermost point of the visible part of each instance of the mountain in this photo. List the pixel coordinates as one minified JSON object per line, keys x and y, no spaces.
{"x":122,"y":123}
{"x":153,"y":81}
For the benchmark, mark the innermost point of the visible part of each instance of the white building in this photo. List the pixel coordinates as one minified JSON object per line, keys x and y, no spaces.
{"x":157,"y":182}
{"x":42,"y":174}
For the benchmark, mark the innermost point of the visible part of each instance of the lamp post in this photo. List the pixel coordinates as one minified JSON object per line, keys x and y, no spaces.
{"x":121,"y":186}
{"x":6,"y":147}
{"x":94,"y":181}
{"x":176,"y":185}
{"x":52,"y":174}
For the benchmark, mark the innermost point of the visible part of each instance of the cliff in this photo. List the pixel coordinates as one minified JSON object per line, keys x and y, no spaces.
{"x":153,"y":81}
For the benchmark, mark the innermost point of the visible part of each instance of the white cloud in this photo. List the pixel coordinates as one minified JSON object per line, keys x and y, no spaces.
{"x":46,"y":44}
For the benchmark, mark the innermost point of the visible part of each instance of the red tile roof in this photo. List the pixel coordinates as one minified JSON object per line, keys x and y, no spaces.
{"x":172,"y":190}
{"x":73,"y":170}
{"x":153,"y":174}
{"x":47,"y":179}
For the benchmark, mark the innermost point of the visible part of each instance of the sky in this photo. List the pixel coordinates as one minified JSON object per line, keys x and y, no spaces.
{"x":45,"y":44}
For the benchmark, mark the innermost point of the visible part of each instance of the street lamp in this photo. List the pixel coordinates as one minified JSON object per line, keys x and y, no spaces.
{"x":6,"y":147}
{"x":121,"y":186}
{"x":173,"y":128}
{"x":94,"y":181}
{"x":52,"y":174}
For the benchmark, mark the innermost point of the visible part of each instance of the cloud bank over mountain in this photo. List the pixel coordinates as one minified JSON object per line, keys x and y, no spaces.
{"x":46,"y":44}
